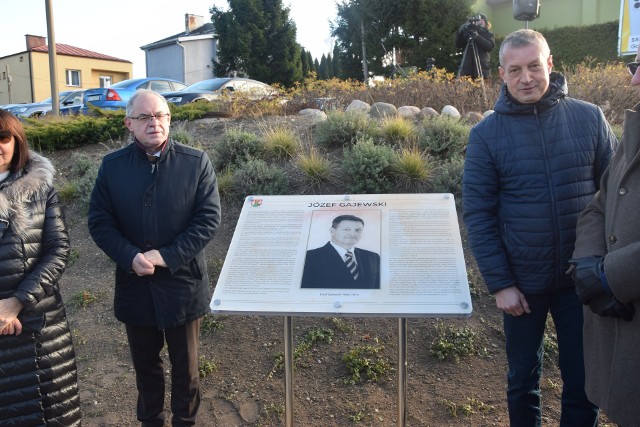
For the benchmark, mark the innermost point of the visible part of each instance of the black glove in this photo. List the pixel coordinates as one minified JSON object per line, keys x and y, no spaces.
{"x":607,"y":305}
{"x":589,"y":278}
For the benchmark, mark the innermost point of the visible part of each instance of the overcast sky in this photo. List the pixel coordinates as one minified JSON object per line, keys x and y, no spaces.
{"x":119,"y":27}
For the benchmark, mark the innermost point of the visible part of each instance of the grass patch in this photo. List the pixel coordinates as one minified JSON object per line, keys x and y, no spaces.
{"x":469,"y":406}
{"x":225,"y":182}
{"x":475,"y":282}
{"x":341,"y":325}
{"x":82,"y":299}
{"x":74,"y":254}
{"x":206,"y":367}
{"x":310,"y":340}
{"x":411,"y":169}
{"x":281,"y":142}
{"x":453,"y":343}
{"x":316,"y":169}
{"x":398,"y":131}
{"x":366,"y":363}
{"x":210,"y":323}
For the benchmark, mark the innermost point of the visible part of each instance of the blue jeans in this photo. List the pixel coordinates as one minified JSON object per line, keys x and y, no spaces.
{"x":524,"y":341}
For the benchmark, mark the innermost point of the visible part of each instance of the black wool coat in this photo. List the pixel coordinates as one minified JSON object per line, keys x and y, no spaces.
{"x":172,"y":206}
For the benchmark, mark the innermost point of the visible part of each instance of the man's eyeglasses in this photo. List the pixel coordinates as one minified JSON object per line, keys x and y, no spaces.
{"x":146,"y":118}
{"x":5,"y":136}
{"x":633,"y":67}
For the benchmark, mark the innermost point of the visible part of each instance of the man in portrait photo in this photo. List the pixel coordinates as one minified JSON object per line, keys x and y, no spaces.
{"x":339,"y":264}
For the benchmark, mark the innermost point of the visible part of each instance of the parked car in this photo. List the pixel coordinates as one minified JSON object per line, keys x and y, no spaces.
{"x":214,"y":89}
{"x":115,"y":97}
{"x":38,"y":109}
{"x":7,"y":106}
{"x":72,"y":104}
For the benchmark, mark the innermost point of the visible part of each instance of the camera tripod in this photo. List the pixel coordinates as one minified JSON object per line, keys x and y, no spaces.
{"x":471,"y":45}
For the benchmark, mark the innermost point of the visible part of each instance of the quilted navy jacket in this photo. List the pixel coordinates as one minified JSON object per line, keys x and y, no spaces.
{"x":530,"y":169}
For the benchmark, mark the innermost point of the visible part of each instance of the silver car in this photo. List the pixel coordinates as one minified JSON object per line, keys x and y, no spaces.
{"x":38,"y":109}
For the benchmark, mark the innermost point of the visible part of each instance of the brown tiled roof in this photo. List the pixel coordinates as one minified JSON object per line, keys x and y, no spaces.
{"x":65,"y":49}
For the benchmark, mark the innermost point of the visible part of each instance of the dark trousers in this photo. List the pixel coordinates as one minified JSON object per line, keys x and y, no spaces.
{"x":182,"y":342}
{"x":524,"y":341}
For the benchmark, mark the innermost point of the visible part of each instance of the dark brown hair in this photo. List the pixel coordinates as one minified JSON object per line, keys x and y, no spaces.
{"x":10,"y":123}
{"x":337,"y":220}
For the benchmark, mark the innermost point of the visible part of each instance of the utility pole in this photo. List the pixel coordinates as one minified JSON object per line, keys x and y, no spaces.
{"x":53,"y":74}
{"x":9,"y":81}
{"x":365,"y":68}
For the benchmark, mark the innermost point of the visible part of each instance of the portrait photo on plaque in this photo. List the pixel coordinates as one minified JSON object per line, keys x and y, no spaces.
{"x":343,"y":250}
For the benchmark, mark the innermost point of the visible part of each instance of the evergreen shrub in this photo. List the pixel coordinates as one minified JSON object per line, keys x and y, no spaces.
{"x":368,"y":167}
{"x":237,"y":146}
{"x":257,"y":177}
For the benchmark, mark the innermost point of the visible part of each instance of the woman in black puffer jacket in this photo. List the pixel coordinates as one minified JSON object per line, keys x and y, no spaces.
{"x":38,"y":379}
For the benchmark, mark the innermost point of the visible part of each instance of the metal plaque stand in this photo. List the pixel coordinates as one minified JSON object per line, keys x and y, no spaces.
{"x":288,"y":370}
{"x":402,"y":371}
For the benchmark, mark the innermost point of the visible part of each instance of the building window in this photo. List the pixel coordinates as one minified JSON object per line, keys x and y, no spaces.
{"x":73,"y":78}
{"x":105,"y":81}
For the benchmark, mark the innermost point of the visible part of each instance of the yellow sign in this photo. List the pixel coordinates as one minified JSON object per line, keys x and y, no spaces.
{"x":629,"y":32}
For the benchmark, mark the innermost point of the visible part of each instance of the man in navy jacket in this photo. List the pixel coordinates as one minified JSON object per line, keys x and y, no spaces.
{"x":330,"y":266}
{"x":530,"y":169}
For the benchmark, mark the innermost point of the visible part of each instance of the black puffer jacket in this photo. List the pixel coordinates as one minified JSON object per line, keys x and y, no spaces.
{"x":38,"y":380}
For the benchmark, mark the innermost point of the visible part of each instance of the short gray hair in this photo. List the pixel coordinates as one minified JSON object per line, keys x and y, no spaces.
{"x":522,"y":38}
{"x":139,"y":92}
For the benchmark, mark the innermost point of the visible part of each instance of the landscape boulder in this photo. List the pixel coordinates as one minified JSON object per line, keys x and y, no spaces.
{"x":428,"y":112}
{"x":314,"y":113}
{"x":358,"y":106}
{"x":451,"y":111}
{"x":472,"y":117}
{"x":380,"y":110}
{"x":408,"y":111}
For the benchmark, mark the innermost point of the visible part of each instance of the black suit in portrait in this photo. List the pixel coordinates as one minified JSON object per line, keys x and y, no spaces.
{"x":325,"y":268}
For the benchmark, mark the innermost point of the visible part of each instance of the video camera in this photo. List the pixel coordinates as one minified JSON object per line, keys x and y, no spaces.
{"x":473,"y":23}
{"x":474,"y":20}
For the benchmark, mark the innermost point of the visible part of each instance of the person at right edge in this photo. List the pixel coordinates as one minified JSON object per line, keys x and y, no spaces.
{"x":607,"y":278}
{"x":476,"y":30}
{"x":531,"y":167}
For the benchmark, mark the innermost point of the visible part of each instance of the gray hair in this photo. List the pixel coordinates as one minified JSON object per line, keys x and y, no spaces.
{"x":525,"y":37}
{"x":140,"y":92}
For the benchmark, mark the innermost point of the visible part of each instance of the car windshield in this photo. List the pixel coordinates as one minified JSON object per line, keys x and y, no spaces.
{"x":212,"y":84}
{"x":61,"y":96}
{"x":125,"y":83}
